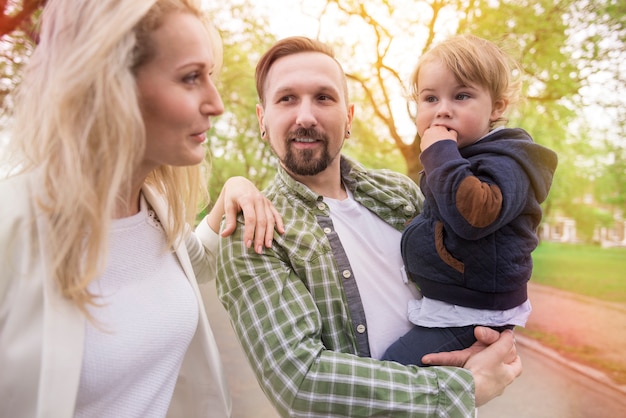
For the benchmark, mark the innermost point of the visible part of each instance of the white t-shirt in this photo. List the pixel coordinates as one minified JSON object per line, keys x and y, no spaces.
{"x":373,"y":248}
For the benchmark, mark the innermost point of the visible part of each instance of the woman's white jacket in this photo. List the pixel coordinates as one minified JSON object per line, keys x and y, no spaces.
{"x":42,"y":333}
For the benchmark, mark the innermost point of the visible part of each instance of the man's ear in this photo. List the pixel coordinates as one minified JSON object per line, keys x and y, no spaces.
{"x":350,"y":118}
{"x":260,"y":115}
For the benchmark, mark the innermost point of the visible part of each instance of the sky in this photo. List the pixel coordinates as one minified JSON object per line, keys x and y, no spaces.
{"x":290,"y":17}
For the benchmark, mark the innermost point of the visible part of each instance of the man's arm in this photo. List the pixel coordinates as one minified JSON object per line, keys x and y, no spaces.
{"x":307,"y":369}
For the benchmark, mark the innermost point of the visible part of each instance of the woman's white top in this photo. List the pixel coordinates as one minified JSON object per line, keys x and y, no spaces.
{"x":146,"y":317}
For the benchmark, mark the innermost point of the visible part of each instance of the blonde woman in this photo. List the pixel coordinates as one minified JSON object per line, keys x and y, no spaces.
{"x":100,"y":311}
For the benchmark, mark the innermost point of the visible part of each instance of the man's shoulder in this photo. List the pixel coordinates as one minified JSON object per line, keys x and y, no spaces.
{"x":283,"y":196}
{"x":387,"y":183}
{"x":390,"y":178}
{"x":384,"y":177}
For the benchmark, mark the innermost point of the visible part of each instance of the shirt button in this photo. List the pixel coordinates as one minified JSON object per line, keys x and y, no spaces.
{"x":327,"y":230}
{"x":408,"y":208}
{"x":360,"y":328}
{"x":321,"y":206}
{"x":346,"y":274}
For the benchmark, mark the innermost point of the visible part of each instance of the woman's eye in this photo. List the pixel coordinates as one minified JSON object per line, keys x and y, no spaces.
{"x":191,"y":78}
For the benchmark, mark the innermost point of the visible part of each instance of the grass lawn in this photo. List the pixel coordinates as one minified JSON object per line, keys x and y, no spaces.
{"x":584,"y":269}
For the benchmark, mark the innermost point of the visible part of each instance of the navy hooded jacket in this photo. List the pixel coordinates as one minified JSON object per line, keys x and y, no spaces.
{"x":472,"y":243}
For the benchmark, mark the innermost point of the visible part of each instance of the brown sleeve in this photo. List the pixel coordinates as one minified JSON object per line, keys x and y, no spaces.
{"x":479,"y":203}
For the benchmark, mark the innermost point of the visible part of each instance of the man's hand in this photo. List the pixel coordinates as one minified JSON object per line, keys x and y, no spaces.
{"x":494,"y":368}
{"x":493,"y":361}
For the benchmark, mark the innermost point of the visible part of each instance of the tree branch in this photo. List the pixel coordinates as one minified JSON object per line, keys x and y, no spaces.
{"x":10,"y":23}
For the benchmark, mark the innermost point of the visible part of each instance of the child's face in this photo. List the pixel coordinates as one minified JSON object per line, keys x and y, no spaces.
{"x":442,"y":100}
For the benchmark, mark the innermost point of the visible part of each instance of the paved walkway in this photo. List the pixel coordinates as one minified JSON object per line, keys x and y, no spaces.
{"x":550,"y":389}
{"x":577,"y":323}
{"x":248,"y":398}
{"x":582,"y":328}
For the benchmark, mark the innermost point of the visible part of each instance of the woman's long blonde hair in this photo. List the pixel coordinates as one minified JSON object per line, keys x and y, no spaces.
{"x":78,"y":126}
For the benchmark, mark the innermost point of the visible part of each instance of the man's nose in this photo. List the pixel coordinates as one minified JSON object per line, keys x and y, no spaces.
{"x":306,"y":115}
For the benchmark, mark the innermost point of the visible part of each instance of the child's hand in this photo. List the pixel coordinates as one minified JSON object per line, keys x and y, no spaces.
{"x":436,"y":133}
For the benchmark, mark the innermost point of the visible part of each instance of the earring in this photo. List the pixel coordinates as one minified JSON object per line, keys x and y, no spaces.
{"x":262,"y":134}
{"x":348,"y":132}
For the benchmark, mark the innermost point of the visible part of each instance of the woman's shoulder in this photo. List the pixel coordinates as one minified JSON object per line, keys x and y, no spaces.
{"x":18,"y":195}
{"x":18,"y":228}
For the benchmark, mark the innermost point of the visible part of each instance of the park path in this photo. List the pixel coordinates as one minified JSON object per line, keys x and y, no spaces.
{"x":581,"y":327}
{"x":248,"y":398}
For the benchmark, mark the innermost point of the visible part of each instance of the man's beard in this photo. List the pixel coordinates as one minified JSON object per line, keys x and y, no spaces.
{"x":303,"y":162}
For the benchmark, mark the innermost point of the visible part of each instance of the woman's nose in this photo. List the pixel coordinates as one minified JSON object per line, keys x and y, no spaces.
{"x":212,"y":104}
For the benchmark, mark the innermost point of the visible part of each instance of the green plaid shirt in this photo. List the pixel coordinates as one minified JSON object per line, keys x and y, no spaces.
{"x":298,"y":314}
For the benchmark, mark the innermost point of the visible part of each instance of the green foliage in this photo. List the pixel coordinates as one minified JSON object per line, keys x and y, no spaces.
{"x":370,"y":150}
{"x":15,"y":49}
{"x":370,"y":146}
{"x":587,"y":218}
{"x":17,"y":32}
{"x":563,"y":48}
{"x":235,"y":142}
{"x":535,"y":34}
{"x":583,"y":269}
{"x":610,"y":181}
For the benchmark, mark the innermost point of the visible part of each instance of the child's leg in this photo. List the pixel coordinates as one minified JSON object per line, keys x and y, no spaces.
{"x":419,"y":341}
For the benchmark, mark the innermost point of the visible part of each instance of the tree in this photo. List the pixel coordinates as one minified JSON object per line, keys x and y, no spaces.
{"x":235,"y":142}
{"x":610,"y":178}
{"x":540,"y":46}
{"x":17,"y":38}
{"x":564,"y":48}
{"x":18,"y":15}
{"x":567,"y":50}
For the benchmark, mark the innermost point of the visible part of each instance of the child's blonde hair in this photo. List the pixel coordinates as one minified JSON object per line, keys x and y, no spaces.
{"x":475,"y":61}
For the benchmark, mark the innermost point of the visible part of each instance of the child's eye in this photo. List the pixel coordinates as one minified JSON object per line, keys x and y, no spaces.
{"x":462,"y":96}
